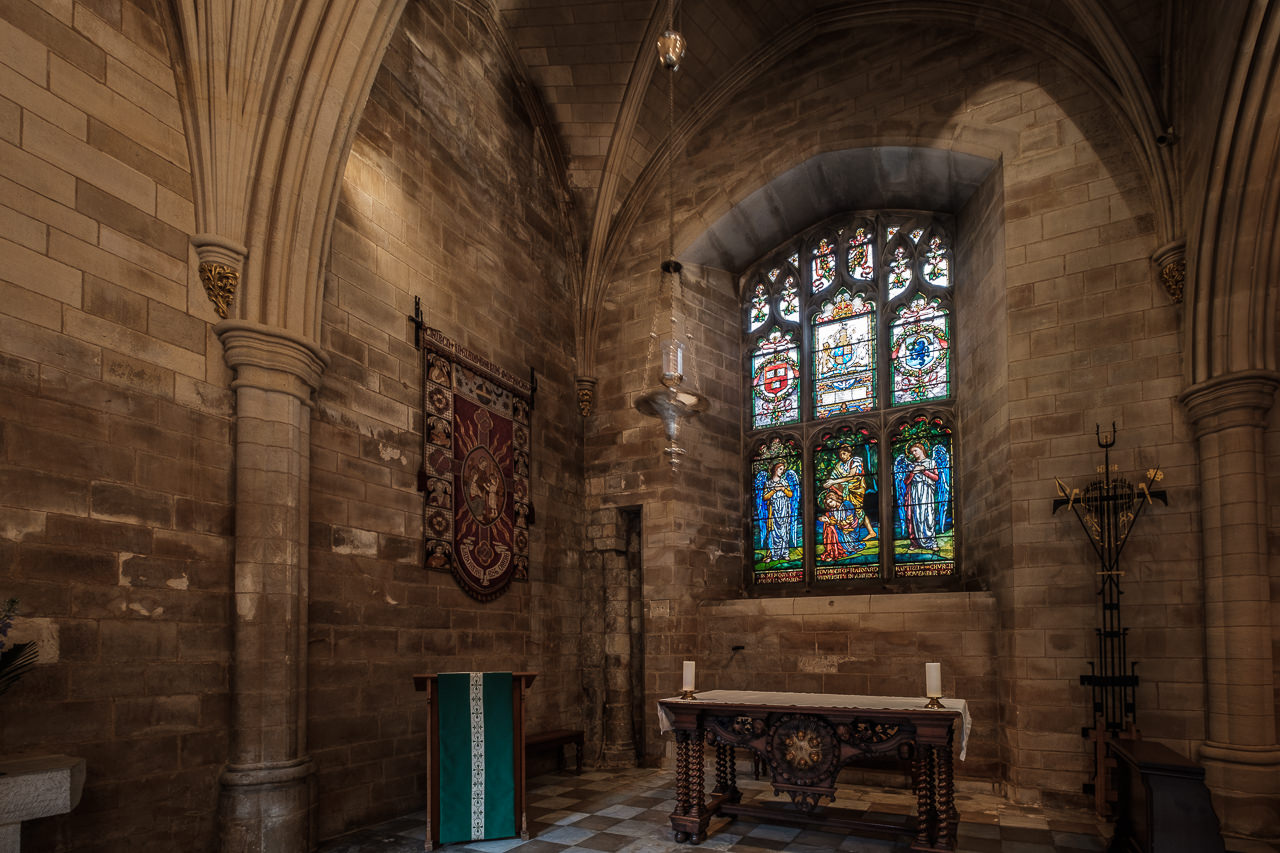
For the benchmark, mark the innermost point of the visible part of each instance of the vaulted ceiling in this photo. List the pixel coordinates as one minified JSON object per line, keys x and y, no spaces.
{"x":593,"y":64}
{"x":593,"y":68}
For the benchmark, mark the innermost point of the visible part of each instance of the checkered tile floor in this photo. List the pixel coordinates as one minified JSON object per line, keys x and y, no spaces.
{"x":628,"y":810}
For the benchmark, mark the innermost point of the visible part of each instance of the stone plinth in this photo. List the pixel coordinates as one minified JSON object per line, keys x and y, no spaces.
{"x":40,"y":786}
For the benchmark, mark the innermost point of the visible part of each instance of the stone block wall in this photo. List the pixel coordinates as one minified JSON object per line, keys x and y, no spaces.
{"x":861,"y":645}
{"x":1075,"y":331}
{"x":446,"y":197}
{"x":115,"y":432}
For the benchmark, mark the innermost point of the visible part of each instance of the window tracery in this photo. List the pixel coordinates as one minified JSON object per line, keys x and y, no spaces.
{"x":851,"y":426}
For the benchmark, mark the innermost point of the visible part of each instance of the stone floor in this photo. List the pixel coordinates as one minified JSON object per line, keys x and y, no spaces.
{"x":627,"y":810}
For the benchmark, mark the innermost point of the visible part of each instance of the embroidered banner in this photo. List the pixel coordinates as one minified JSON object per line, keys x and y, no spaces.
{"x":475,"y":468}
{"x":476,"y":766}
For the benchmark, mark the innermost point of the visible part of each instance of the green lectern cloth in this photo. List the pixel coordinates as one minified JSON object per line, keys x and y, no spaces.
{"x":476,"y":767}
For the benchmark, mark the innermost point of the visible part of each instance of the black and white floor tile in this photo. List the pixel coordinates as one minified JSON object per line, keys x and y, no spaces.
{"x":627,"y":811}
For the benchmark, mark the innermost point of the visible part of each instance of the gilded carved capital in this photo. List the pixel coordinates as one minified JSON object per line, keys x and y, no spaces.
{"x":586,"y":393}
{"x":220,"y":283}
{"x":220,"y":263}
{"x":1171,"y":260}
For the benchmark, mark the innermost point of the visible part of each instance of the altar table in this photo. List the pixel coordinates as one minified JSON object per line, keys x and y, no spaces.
{"x":804,"y":739}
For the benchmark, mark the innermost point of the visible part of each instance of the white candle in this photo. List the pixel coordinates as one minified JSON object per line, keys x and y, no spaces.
{"x":933,"y":679}
{"x":688,"y":676}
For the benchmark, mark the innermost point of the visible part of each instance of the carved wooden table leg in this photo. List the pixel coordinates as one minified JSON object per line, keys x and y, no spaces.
{"x":726,"y":773}
{"x":682,"y":781}
{"x":924,"y":799}
{"x":697,"y":781}
{"x":946,"y":793}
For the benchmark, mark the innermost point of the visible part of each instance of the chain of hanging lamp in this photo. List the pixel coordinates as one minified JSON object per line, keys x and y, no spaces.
{"x":670,"y":53}
{"x":674,"y":401}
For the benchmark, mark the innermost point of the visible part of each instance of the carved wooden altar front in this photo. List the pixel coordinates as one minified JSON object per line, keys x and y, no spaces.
{"x":804,"y":740}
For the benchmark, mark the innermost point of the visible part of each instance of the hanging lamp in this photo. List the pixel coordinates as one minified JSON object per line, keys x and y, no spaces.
{"x":675,"y":401}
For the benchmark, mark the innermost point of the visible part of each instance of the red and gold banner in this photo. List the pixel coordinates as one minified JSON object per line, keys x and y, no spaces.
{"x":475,"y":461}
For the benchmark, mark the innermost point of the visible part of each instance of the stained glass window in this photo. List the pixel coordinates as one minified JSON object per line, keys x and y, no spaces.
{"x":920,"y":352}
{"x":937,"y":269}
{"x":861,"y":256}
{"x":846,"y":542}
{"x":899,"y":270}
{"x":924,"y":535}
{"x":775,"y":380}
{"x":824,"y":265}
{"x":844,"y":352}
{"x":789,"y":301}
{"x":777,"y":523}
{"x":850,"y":425}
{"x":759,"y":308}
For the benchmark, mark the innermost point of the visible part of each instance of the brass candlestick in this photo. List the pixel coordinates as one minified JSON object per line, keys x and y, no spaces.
{"x":934,"y":702}
{"x":687,"y":694}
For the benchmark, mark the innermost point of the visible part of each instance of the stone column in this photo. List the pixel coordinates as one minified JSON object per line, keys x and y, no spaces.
{"x":1241,"y":754}
{"x":265,"y":800}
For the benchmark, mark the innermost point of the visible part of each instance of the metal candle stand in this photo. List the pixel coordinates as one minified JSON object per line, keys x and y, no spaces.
{"x":1107,"y":510}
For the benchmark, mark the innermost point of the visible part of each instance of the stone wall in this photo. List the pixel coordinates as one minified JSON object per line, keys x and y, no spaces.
{"x":1080,"y":333}
{"x":445,"y":197}
{"x":861,"y":645}
{"x":115,"y":433}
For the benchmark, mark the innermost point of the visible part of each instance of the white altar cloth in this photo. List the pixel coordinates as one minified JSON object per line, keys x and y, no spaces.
{"x":822,"y":700}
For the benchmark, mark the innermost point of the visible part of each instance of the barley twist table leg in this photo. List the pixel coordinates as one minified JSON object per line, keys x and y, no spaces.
{"x":697,"y":775}
{"x":724,"y":759}
{"x":946,"y":792}
{"x":924,"y":792}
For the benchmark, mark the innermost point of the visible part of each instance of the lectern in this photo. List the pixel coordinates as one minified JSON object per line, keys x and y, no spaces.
{"x":481,"y":765}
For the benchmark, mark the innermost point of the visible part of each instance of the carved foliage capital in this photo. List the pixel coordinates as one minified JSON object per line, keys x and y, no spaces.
{"x":220,"y":263}
{"x":220,"y":282}
{"x":586,"y":393}
{"x":1171,"y":260}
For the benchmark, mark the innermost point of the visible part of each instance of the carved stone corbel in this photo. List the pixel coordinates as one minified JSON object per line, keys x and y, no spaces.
{"x":1171,"y":260}
{"x":586,"y":393}
{"x":220,"y":263}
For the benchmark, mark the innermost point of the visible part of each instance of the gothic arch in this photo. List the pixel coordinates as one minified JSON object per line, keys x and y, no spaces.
{"x":1232,"y":299}
{"x":271,"y":95}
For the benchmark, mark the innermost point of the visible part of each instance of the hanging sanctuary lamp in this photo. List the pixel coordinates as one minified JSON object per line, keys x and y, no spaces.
{"x":675,"y":400}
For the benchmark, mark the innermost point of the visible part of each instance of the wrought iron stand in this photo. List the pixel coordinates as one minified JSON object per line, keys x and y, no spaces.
{"x":1107,"y":509}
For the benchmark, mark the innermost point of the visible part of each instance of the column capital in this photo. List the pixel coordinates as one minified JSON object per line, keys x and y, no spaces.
{"x":271,"y":359}
{"x":1235,"y":399}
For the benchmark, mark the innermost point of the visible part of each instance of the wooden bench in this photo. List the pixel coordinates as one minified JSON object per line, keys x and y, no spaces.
{"x":557,"y":738}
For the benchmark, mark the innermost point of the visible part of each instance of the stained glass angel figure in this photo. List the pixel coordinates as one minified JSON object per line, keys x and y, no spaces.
{"x":778,"y":508}
{"x":922,"y":484}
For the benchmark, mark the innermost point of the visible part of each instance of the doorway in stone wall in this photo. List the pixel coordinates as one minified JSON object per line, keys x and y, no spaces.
{"x":631,"y":523}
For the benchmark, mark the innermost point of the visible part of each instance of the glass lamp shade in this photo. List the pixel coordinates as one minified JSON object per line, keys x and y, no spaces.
{"x":671,"y":49}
